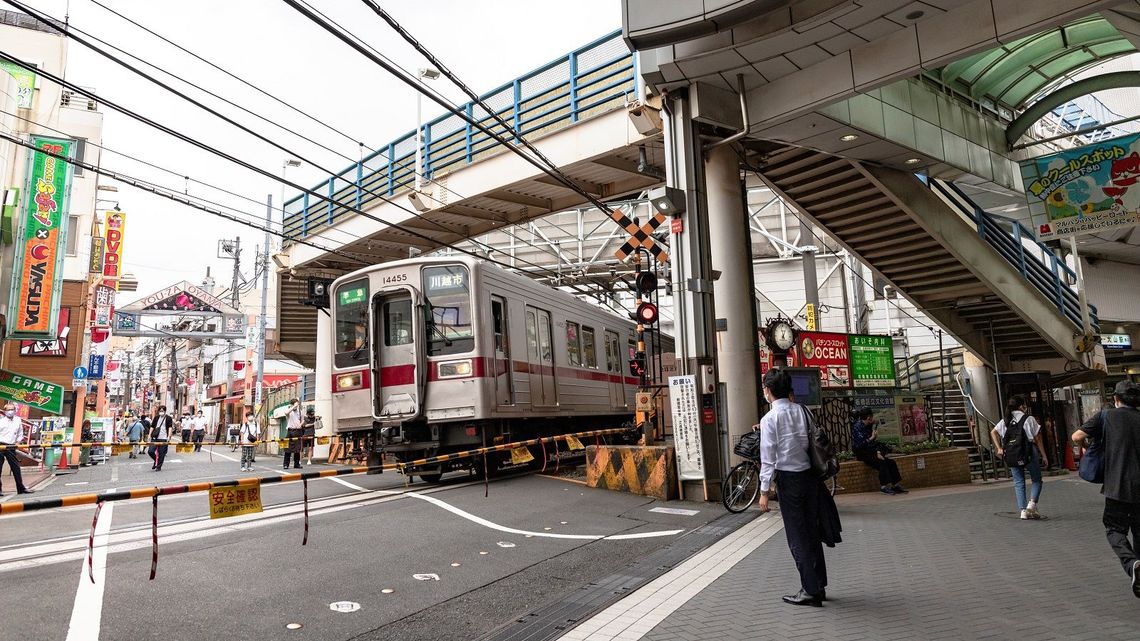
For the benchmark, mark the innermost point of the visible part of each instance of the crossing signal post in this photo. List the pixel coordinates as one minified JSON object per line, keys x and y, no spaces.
{"x":646,"y":316}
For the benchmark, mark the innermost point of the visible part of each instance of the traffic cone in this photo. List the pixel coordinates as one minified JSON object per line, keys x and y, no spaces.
{"x":1072,"y":455}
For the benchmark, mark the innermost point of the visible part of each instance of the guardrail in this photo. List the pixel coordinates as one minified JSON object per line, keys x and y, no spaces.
{"x":589,"y":80}
{"x":1019,"y":247}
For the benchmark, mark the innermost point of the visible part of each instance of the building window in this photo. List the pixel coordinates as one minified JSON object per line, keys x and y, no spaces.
{"x":73,"y":235}
{"x":80,"y":152}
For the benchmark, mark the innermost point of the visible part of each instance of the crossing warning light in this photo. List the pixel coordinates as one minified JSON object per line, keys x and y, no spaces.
{"x":646,"y":283}
{"x":647,"y":313}
{"x":637,"y":365}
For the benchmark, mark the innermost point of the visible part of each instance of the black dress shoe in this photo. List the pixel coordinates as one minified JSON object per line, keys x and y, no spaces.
{"x":823,"y":595}
{"x":803,"y":598}
{"x":27,"y":492}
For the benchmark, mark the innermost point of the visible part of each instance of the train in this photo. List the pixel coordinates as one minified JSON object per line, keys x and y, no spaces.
{"x":435,"y":355}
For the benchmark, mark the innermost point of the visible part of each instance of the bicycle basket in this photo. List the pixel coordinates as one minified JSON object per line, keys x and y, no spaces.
{"x":748,"y":446}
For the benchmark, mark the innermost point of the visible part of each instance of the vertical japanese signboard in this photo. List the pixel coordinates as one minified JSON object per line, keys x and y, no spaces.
{"x":872,"y":361}
{"x":1085,"y":190}
{"x":830,"y":353}
{"x":685,"y":406}
{"x":114,"y":229}
{"x":25,"y":83}
{"x":37,"y":274}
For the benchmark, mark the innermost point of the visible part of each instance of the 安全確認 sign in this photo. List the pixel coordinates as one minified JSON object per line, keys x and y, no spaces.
{"x":872,"y":361}
{"x":32,"y":392}
{"x":830,"y":353}
{"x":37,"y":272}
{"x":1085,"y":190}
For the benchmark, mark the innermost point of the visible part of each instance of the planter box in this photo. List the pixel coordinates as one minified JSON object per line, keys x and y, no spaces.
{"x":928,"y":469}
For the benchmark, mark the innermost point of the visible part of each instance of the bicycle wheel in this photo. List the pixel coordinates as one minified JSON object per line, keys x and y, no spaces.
{"x":740,"y":487}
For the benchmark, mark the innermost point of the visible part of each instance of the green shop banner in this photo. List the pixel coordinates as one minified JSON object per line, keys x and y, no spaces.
{"x":1086,"y":190}
{"x":872,"y":361}
{"x":41,"y":236}
{"x":42,"y":395}
{"x":25,"y":83}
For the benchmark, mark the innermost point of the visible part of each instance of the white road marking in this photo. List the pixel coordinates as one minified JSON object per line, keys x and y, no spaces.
{"x":115,"y":472}
{"x":87,"y":612}
{"x":77,"y":483}
{"x":675,"y":510}
{"x":635,"y":615}
{"x":352,"y":486}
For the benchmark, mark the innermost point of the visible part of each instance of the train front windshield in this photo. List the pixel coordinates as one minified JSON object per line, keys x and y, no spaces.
{"x":352,"y":324}
{"x":447,"y":291}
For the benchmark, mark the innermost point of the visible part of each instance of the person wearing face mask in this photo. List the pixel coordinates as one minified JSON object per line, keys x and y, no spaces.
{"x":11,"y":429}
{"x":163,"y":426}
{"x":866,"y":447}
{"x":199,"y":431}
{"x":248,"y":433}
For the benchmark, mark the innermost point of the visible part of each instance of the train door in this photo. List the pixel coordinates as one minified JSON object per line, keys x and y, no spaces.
{"x":540,"y":356}
{"x":614,"y":369}
{"x":396,"y":390}
{"x":504,"y":377}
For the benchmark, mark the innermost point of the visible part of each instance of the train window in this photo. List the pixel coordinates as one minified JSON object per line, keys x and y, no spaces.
{"x":448,"y":310}
{"x":544,"y":338}
{"x":573,"y":348}
{"x":398,"y":323}
{"x":351,"y":327}
{"x":499,"y":324}
{"x":531,"y":334}
{"x":589,"y":352}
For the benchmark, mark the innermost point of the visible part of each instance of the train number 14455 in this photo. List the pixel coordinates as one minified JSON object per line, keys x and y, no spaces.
{"x":395,"y":278}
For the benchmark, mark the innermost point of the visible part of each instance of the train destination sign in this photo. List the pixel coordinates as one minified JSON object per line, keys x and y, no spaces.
{"x":872,"y":361}
{"x":830,"y":353}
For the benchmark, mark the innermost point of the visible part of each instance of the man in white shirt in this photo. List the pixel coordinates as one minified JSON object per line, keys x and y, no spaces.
{"x":784,"y":453}
{"x":11,"y":431}
{"x":187,"y":425}
{"x":249,"y":433}
{"x":199,"y":431}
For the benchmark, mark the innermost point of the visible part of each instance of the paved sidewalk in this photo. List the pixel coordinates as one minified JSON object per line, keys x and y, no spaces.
{"x":935,"y":564}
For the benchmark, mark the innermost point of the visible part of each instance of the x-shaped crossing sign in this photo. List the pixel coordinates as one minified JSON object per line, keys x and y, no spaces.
{"x":640,"y":236}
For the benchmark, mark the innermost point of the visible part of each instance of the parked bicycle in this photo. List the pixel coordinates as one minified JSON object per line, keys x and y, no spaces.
{"x":742,"y":484}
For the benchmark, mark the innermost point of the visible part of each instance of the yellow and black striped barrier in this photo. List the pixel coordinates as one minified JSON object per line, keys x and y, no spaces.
{"x":120,"y":447}
{"x":205,"y":486}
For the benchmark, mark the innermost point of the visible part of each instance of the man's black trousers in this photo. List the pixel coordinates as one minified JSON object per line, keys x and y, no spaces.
{"x":799,"y":506}
{"x":888,"y":469}
{"x":1119,"y":519}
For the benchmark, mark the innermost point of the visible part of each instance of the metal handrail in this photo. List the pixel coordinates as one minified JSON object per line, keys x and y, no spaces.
{"x":566,"y":92}
{"x":1053,"y":279}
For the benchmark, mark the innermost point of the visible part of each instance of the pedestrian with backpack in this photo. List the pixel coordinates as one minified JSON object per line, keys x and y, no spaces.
{"x":1117,"y":431}
{"x":1017,"y":439}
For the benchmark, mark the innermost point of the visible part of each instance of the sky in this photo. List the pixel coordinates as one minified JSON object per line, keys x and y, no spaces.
{"x":484,"y":42}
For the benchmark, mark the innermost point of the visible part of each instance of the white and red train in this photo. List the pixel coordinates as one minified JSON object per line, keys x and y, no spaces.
{"x":444,"y":354}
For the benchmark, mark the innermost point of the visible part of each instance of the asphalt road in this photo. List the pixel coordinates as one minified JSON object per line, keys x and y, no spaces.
{"x":422,"y":562}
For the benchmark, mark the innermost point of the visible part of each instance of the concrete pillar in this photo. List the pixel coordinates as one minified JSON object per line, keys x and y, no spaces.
{"x":323,"y":373}
{"x":984,"y":393}
{"x":731,"y":246}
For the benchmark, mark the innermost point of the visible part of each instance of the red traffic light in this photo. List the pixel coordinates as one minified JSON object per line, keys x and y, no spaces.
{"x":647,"y":313}
{"x":646,"y":283}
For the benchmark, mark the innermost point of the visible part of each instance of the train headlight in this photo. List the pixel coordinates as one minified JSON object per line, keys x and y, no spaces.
{"x":350,"y":381}
{"x":455,"y":369}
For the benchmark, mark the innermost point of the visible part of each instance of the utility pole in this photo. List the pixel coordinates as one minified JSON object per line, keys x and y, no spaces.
{"x":173,"y":377}
{"x":235,"y":296}
{"x":264,"y":303}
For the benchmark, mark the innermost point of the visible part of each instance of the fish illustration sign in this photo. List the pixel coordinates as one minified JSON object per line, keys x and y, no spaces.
{"x":37,"y":273}
{"x":1086,"y":190}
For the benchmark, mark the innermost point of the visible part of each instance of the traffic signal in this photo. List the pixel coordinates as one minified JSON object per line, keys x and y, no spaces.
{"x":637,"y":365}
{"x":646,"y":285}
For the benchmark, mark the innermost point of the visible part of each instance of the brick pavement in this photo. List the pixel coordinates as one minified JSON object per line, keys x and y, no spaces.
{"x":933,"y":565}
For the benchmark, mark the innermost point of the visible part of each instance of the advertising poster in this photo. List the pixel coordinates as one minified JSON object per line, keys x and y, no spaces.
{"x":887,"y":417}
{"x":830,"y":353}
{"x":56,"y":347}
{"x":911,"y":411}
{"x":37,"y":274}
{"x":1085,"y":190}
{"x":686,"y":427}
{"x":872,"y":361}
{"x":25,"y":83}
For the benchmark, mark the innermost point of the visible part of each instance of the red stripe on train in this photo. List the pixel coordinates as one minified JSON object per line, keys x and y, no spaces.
{"x":482,"y":367}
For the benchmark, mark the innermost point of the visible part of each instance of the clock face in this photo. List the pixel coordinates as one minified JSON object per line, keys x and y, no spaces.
{"x":783,"y":336}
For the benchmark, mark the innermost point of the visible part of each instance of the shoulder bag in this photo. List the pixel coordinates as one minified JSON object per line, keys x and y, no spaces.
{"x":1091,"y":468}
{"x":824,"y":463}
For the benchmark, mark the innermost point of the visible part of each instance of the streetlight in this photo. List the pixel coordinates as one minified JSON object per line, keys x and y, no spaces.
{"x":424,"y":74}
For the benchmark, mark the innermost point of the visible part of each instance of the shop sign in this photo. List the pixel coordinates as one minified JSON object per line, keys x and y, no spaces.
{"x":42,"y":395}
{"x":25,"y":83}
{"x":104,"y":306}
{"x":886,"y":414}
{"x":1086,"y":190}
{"x":830,"y":353}
{"x":1116,"y":341}
{"x":872,"y":361}
{"x":112,"y":268}
{"x":37,"y":274}
{"x":684,"y":403}
{"x":96,"y":264}
{"x":216,"y":391}
{"x":235,"y":501}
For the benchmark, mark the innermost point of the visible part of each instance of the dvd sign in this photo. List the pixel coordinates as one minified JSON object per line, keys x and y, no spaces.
{"x":830,"y":353}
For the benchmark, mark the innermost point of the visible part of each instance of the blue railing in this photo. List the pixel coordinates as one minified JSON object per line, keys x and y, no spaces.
{"x":590,"y":80}
{"x":1020,"y":247}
